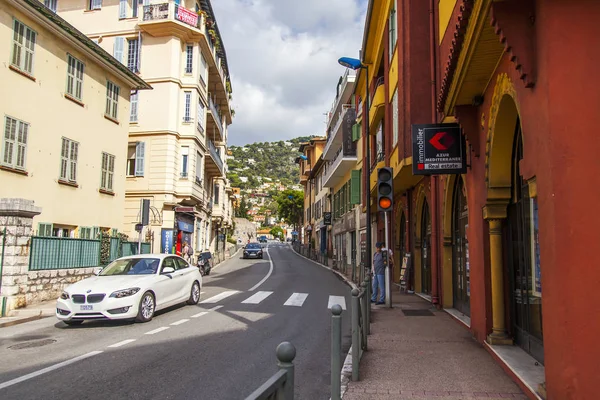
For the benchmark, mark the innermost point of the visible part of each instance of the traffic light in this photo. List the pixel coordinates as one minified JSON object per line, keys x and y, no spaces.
{"x":385,"y":189}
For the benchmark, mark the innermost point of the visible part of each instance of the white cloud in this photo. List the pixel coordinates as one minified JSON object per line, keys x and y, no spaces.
{"x":282,"y":57}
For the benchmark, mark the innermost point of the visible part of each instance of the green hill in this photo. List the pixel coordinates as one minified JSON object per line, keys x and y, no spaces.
{"x":274,"y":160}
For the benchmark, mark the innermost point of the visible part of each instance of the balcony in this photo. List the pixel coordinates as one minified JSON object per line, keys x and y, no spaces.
{"x":213,"y":163}
{"x":335,"y":170}
{"x":216,"y":132}
{"x":336,"y":136}
{"x":378,"y":103}
{"x":170,"y":19}
{"x":344,"y":93}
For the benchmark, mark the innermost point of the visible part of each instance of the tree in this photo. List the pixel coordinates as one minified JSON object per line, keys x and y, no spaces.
{"x":291,"y":206}
{"x":242,"y":209}
{"x":276,"y":231}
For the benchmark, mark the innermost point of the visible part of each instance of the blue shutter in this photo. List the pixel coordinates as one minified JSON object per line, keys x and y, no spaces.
{"x":118,"y":48}
{"x":122,"y":9}
{"x":140,"y":149}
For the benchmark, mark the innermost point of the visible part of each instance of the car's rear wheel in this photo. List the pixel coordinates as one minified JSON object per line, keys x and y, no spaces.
{"x":194,"y":294}
{"x":74,"y":322}
{"x":147,"y":307}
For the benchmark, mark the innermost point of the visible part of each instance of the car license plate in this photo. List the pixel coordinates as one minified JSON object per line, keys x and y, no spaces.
{"x":86,"y":308}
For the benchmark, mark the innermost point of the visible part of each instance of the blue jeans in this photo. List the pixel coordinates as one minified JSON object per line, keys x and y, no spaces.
{"x":378,"y":281}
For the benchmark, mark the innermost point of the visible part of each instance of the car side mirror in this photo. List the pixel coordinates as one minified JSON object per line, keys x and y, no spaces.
{"x":168,"y":270}
{"x":97,"y":271}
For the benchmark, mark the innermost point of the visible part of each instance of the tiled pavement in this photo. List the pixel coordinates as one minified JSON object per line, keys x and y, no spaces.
{"x":426,"y":357}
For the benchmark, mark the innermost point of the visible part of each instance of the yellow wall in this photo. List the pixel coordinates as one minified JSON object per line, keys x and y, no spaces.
{"x":446,"y":7}
{"x":51,"y":116}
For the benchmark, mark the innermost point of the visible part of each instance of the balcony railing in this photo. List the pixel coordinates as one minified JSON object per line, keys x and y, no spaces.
{"x":171,"y":11}
{"x":215,"y":155}
{"x":378,"y":83}
{"x":216,"y":115}
{"x":339,"y":166}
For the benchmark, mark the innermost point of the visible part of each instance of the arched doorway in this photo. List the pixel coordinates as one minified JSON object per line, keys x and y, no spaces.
{"x":461,"y":289}
{"x":425,"y":249}
{"x":523,"y":260}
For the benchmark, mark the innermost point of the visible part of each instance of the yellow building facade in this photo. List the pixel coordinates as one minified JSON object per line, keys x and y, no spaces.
{"x":65,"y":116}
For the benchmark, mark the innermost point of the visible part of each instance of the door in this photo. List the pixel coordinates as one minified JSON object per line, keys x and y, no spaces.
{"x":461,"y":289}
{"x":168,"y":286}
{"x":184,"y":278}
{"x":425,"y":250}
{"x":525,"y":290}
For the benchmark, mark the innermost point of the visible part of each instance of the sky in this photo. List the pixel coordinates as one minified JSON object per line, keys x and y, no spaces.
{"x":282,"y":57}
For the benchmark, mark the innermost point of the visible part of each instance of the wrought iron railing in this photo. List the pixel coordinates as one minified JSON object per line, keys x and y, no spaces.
{"x":212,"y":149}
{"x":216,"y":115}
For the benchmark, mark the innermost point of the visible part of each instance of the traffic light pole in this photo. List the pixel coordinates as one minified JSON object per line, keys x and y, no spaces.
{"x":388,"y":284}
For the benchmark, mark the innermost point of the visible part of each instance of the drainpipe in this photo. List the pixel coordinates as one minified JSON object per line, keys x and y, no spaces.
{"x":435,"y":270}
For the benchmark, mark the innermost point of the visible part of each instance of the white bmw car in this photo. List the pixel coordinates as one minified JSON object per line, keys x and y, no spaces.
{"x":131,"y":287}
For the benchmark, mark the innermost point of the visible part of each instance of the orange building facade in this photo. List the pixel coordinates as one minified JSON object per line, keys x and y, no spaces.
{"x":507,"y":248}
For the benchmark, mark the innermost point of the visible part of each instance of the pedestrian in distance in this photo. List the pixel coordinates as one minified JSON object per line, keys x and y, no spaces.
{"x":378,"y":272}
{"x":185,"y":251}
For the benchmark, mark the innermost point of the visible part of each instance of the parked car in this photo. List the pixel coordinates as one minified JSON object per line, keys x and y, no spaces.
{"x":132,"y":287}
{"x":253,"y":250}
{"x":205,"y":262}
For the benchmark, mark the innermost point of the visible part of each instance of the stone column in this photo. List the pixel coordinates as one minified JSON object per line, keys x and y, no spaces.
{"x":494,"y":214}
{"x":16,"y":215}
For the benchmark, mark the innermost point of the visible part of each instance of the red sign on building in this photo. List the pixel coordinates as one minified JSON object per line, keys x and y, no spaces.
{"x":186,"y":16}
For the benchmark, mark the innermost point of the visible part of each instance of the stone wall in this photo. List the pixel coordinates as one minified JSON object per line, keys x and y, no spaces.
{"x":48,"y":285}
{"x":243,"y":227}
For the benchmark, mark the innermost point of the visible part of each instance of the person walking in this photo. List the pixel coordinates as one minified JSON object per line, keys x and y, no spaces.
{"x":185,"y":251}
{"x":378,"y":275}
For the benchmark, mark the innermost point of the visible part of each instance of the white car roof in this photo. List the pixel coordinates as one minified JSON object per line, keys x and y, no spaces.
{"x":160,"y":256}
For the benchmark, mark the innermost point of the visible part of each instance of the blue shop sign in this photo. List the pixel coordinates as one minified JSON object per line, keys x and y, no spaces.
{"x":166,"y":242}
{"x":184,"y":226}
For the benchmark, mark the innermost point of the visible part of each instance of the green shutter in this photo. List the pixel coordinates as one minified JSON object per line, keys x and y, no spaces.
{"x":355,"y":197}
{"x":355,"y":132}
{"x":44,"y":229}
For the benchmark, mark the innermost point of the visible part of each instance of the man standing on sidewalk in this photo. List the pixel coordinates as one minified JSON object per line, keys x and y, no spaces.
{"x":378,"y":275}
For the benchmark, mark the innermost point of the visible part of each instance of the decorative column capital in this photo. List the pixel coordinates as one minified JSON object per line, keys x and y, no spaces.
{"x":495,"y":211}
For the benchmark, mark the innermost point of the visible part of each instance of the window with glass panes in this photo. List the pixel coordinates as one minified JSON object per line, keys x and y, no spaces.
{"x":188,"y":104}
{"x":133,"y":54}
{"x":189,"y":58}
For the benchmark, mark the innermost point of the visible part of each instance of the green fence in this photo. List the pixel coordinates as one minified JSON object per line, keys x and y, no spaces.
{"x":61,"y":253}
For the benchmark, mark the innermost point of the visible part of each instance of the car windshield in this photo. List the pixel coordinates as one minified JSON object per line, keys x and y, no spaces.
{"x":131,"y":266}
{"x":253,"y":246}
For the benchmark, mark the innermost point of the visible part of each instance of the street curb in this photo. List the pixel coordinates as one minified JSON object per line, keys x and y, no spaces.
{"x":23,"y":320}
{"x":347,"y":367}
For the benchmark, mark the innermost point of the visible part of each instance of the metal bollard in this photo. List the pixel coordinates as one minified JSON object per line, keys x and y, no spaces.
{"x":286,"y":352}
{"x":336,"y":352}
{"x":368,"y":313}
{"x":355,"y":334}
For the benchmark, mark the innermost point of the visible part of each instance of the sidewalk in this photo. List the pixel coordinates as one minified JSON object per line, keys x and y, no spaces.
{"x":426,"y":357}
{"x":30,"y":313}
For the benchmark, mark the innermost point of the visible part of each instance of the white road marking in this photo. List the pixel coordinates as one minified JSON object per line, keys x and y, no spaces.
{"x":164,"y":328}
{"x":268,"y":274}
{"x":257,"y":297}
{"x":181,"y":321}
{"x":47,"y":369}
{"x":333,"y":300}
{"x":123,"y":343}
{"x":219,"y":297}
{"x":296,"y":299}
{"x":199,"y":314}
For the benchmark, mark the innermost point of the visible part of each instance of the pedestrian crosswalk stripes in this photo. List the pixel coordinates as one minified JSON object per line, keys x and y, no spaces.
{"x":219,"y":297}
{"x":296,"y":299}
{"x":257,"y":297}
{"x":333,"y":300}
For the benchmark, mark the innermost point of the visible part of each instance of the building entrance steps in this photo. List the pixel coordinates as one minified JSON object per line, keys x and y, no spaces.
{"x":416,"y":355}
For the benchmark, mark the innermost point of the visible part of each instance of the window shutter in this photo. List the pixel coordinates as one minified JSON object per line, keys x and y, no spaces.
{"x":355,"y":184}
{"x":111,"y":171}
{"x":122,"y":9}
{"x":355,"y":132}
{"x":73,"y":161}
{"x":64,"y":157}
{"x":118,"y":48}
{"x":140,"y":149}
{"x":9,"y":140}
{"x":139,"y":59}
{"x":133,"y":104}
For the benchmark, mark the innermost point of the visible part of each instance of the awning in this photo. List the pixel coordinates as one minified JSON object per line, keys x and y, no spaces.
{"x":185,"y":227}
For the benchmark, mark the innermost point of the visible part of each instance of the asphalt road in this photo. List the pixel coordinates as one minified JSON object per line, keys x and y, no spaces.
{"x":224,"y":348}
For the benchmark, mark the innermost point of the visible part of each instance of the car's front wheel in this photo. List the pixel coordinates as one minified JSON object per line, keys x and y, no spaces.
{"x":146,"y":309}
{"x":194,"y":294}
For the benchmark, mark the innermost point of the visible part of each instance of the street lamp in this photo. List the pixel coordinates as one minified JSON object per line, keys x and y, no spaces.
{"x":355,"y":64}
